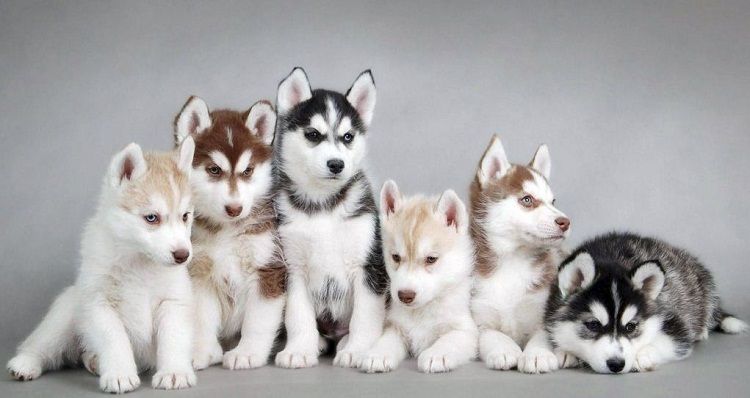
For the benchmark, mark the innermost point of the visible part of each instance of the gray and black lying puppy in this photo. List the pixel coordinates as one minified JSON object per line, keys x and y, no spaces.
{"x":625,"y":302}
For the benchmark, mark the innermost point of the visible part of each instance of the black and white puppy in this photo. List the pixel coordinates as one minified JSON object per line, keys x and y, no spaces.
{"x":625,"y":302}
{"x":328,"y":221}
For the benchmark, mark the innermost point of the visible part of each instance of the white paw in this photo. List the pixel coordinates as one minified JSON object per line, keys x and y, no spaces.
{"x":24,"y":367}
{"x":241,"y":359}
{"x":645,"y":359}
{"x":566,"y":360}
{"x":293,"y":359}
{"x":537,"y":361}
{"x":169,"y":380}
{"x":90,"y":362}
{"x":347,"y":359}
{"x":119,"y":383}
{"x":434,"y":362}
{"x":205,"y":357}
{"x":374,"y":362}
{"x":499,"y":360}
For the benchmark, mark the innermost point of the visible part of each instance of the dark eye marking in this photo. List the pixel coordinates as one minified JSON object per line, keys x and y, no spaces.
{"x":314,"y":136}
{"x":248,"y":171}
{"x":348,"y":137}
{"x":594,"y":326}
{"x":429,"y":260}
{"x":214,"y":170}
{"x":152,"y":219}
{"x":396,"y":258}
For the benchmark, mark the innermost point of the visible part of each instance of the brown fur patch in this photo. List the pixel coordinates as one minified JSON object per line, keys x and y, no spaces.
{"x":414,"y":220}
{"x":162,"y":177}
{"x":546,"y":264}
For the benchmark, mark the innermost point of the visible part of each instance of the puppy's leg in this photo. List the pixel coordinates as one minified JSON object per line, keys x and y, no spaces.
{"x":389,"y":350}
{"x":259,"y":329}
{"x":660,"y":350}
{"x":50,"y":342}
{"x":207,"y":350}
{"x":174,"y":343}
{"x":538,"y":357}
{"x":301,"y":349}
{"x":451,"y":350}
{"x":366,"y":325}
{"x":498,"y":350}
{"x":103,"y":333}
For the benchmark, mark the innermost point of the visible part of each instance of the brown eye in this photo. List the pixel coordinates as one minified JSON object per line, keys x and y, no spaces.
{"x":526,"y":201}
{"x":185,"y":217}
{"x":152,"y":218}
{"x":631,"y":327}
{"x":248,"y":171}
{"x":396,"y":258}
{"x":213,"y":169}
{"x":594,"y":326}
{"x":430,"y":260}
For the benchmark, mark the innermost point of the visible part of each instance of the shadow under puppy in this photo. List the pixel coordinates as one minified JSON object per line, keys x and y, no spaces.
{"x":429,"y":258}
{"x":130,"y":307}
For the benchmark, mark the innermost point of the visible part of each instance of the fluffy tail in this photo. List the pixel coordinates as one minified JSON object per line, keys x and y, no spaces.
{"x":729,"y":323}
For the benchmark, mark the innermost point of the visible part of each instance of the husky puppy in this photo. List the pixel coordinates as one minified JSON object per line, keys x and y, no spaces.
{"x":429,"y":258}
{"x":238,"y":275}
{"x":328,"y":221}
{"x":624,"y":302}
{"x":518,"y":233}
{"x":130,"y":307}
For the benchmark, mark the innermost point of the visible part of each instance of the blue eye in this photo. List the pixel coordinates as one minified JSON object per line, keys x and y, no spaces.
{"x":348,"y":137}
{"x":151,"y":218}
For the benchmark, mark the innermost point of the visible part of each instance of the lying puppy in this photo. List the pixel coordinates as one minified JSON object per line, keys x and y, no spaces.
{"x":429,"y":259}
{"x":130,"y":308}
{"x":625,"y":302}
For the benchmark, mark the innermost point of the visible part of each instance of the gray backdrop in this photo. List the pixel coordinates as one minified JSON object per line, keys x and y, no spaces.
{"x":644,"y":106}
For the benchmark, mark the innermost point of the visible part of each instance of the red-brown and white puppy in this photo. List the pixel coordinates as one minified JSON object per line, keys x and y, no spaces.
{"x":237,"y":273}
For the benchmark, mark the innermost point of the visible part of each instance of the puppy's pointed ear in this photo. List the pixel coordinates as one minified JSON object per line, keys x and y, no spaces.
{"x":648,"y":278}
{"x":293,"y":90}
{"x":127,"y":165}
{"x":187,"y":150}
{"x":453,"y":210}
{"x":390,"y":198}
{"x":576,"y":274}
{"x":192,"y":119}
{"x":542,"y":161}
{"x":261,"y":121}
{"x":361,"y":95}
{"x":494,"y":164}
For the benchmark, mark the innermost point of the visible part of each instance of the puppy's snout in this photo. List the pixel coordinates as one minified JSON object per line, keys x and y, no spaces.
{"x":615,"y":365}
{"x":563,"y":223}
{"x":335,"y":165}
{"x":181,"y":255}
{"x":407,"y":296}
{"x":233,"y":210}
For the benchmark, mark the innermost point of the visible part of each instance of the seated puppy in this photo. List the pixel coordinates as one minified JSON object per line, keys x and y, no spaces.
{"x":130,"y":307}
{"x":429,"y":259}
{"x":625,"y":302}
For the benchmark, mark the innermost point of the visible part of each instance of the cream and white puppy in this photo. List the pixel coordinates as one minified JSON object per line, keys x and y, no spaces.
{"x":429,"y":258}
{"x":130,"y":308}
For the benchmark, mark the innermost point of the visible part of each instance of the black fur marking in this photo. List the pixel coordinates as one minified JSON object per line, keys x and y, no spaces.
{"x":375,"y":273}
{"x":309,"y":207}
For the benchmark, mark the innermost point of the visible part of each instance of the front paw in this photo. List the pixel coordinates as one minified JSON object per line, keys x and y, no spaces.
{"x":375,"y":362}
{"x":205,"y":357}
{"x":90,"y":362}
{"x":119,"y":382}
{"x":645,"y":359}
{"x":566,"y":360}
{"x":347,"y":358}
{"x":436,"y":362}
{"x":24,"y":367}
{"x":537,"y":361}
{"x":237,"y":359}
{"x":173,"y":380}
{"x":296,"y":359}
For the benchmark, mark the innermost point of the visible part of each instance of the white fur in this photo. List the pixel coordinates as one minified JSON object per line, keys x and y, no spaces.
{"x":733,"y":325}
{"x":294,"y":89}
{"x":577,"y":274}
{"x":130,"y":305}
{"x":195,"y":110}
{"x":362,"y":96}
{"x":441,"y":343}
{"x":653,"y":273}
{"x":494,"y":163}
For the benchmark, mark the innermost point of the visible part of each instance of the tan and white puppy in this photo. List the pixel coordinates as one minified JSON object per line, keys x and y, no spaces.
{"x":238,"y":275}
{"x":429,"y":258}
{"x":129,"y":309}
{"x":518,"y":233}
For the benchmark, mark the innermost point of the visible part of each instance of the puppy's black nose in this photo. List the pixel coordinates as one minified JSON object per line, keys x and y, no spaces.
{"x":180,"y":255}
{"x":233,"y":211}
{"x":335,"y":165}
{"x":563,"y":223}
{"x":407,"y":296}
{"x":615,"y":364}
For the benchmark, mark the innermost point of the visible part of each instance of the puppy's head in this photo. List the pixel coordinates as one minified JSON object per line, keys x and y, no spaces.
{"x":232,"y":165}
{"x":426,"y":244}
{"x":321,"y":133}
{"x":516,"y":202}
{"x":606,"y":314}
{"x":152,"y":209}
